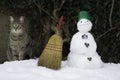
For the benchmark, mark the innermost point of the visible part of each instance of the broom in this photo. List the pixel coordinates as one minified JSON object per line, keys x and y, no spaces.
{"x":52,"y":54}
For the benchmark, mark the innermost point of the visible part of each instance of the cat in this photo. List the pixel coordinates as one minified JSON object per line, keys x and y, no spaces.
{"x":19,"y":45}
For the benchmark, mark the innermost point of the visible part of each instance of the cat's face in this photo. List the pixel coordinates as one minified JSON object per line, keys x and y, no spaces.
{"x":16,"y":27}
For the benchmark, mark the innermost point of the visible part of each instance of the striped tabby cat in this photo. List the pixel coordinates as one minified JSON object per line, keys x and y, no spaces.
{"x":19,"y":41}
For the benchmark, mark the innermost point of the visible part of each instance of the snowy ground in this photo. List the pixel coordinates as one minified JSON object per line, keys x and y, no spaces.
{"x":28,"y":70}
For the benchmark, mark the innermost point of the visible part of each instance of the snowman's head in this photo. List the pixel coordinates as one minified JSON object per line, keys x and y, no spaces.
{"x":84,"y":25}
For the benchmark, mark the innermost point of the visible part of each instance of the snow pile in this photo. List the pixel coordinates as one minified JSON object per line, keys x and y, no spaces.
{"x":28,"y":69}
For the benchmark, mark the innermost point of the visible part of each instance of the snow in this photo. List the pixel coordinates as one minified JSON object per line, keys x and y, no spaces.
{"x":28,"y":69}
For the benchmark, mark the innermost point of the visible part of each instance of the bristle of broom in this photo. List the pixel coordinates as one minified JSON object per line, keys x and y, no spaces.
{"x":52,"y":54}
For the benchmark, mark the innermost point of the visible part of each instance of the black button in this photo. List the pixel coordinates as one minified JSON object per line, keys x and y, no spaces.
{"x":87,"y":44}
{"x":84,"y":36}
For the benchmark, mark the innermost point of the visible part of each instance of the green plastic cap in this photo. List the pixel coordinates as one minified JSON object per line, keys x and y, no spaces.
{"x":83,"y":14}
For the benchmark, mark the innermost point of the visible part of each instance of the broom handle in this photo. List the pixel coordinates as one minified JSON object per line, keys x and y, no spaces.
{"x":60,"y":22}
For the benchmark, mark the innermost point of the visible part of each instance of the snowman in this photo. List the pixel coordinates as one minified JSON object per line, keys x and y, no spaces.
{"x":83,"y":46}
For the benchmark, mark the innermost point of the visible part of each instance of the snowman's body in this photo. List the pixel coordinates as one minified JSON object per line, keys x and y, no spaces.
{"x":83,"y":47}
{"x":84,"y":61}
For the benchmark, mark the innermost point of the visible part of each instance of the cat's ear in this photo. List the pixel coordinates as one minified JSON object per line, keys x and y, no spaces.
{"x":22,"y":19}
{"x":11,"y":19}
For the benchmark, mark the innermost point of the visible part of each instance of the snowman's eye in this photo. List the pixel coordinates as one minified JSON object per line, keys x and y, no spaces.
{"x":80,"y":21}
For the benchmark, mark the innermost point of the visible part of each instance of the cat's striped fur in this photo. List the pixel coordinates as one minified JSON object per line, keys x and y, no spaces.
{"x":19,"y":41}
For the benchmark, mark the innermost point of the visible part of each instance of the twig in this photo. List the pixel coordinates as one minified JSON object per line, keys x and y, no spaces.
{"x":43,"y":9}
{"x":105,"y":33}
{"x":96,"y":20}
{"x":56,"y":9}
{"x":111,"y":11}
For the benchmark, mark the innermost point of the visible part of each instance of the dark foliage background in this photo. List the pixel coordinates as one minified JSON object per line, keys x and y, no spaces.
{"x":43,"y":16}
